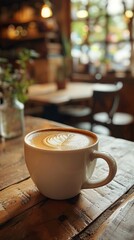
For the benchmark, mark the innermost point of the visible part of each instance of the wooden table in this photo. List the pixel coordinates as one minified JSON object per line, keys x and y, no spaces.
{"x":48,"y":92}
{"x":103,"y":213}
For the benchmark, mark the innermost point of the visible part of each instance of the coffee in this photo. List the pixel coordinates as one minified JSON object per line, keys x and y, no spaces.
{"x":60,"y":140}
{"x":61,"y":161}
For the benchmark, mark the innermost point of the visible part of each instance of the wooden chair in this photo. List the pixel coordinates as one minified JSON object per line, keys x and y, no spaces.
{"x":105,"y":118}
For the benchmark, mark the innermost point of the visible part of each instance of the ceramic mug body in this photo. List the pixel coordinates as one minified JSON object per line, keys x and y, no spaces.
{"x":62,"y":174}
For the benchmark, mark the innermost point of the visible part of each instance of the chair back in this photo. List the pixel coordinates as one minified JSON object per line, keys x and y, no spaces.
{"x":106,"y":98}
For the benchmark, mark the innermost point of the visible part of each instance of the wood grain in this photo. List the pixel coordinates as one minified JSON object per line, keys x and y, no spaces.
{"x":26,"y":214}
{"x":120,"y":225}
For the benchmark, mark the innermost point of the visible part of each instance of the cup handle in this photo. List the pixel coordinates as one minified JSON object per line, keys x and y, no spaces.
{"x":112,"y":170}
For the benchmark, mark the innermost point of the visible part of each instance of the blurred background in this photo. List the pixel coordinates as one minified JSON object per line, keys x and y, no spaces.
{"x":93,"y":39}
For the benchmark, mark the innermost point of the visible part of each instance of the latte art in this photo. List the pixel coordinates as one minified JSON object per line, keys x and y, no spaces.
{"x":66,"y":141}
{"x":60,"y":140}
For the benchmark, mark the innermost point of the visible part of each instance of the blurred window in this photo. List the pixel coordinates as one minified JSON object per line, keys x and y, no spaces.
{"x":102,"y":35}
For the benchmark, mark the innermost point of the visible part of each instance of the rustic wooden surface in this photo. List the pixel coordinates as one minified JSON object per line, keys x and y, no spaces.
{"x":102,"y":213}
{"x":120,"y":223}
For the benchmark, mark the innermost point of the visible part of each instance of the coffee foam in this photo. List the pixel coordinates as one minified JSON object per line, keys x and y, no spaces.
{"x":60,"y":140}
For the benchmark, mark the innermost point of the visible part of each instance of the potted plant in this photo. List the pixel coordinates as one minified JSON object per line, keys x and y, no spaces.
{"x":14,"y":83}
{"x":61,"y":77}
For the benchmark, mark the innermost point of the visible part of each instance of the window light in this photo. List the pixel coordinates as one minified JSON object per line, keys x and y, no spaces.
{"x":82,"y":13}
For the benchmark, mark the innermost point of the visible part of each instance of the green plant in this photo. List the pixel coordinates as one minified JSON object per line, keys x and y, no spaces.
{"x":14,"y":79}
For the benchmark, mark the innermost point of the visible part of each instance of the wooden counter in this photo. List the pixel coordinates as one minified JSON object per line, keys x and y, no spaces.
{"x":103,"y":213}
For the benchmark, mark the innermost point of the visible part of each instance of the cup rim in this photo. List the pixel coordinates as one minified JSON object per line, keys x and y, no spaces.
{"x":82,"y":131}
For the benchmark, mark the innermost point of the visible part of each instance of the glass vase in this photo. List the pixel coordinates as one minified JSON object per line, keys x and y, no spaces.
{"x":11,"y":118}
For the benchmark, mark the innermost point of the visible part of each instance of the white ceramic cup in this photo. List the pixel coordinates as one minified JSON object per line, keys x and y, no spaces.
{"x":62,"y":169}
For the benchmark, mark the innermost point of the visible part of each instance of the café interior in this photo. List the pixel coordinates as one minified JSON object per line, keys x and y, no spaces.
{"x":67,"y":63}
{"x":82,"y":45}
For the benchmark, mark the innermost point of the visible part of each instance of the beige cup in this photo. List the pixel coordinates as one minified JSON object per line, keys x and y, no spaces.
{"x":61,"y":161}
